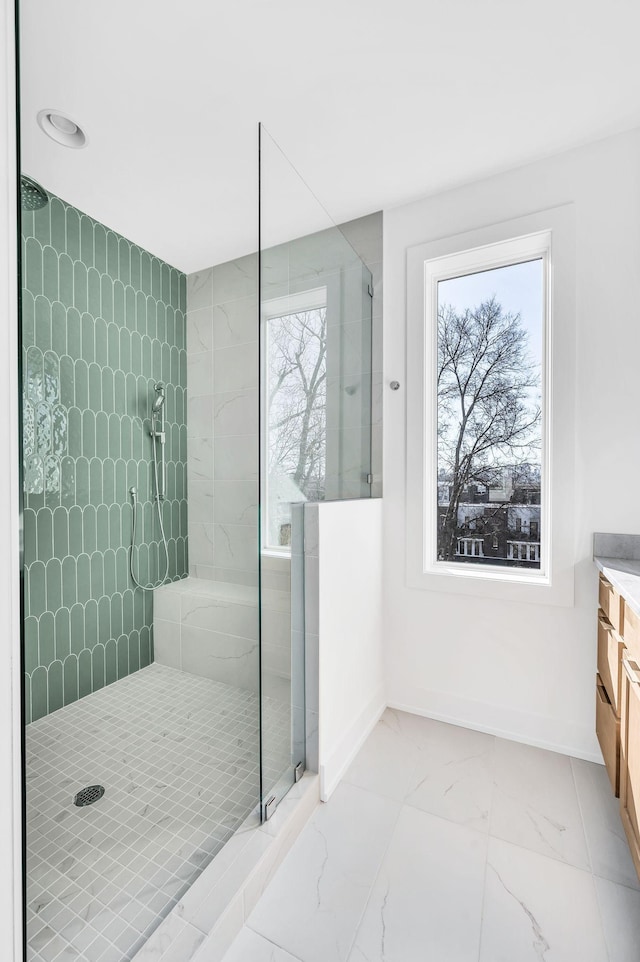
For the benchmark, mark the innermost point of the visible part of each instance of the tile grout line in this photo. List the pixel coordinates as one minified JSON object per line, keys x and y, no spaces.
{"x":392,"y":833}
{"x":588,"y":848}
{"x":294,"y":958}
{"x":489,"y":836}
{"x":580,"y":809}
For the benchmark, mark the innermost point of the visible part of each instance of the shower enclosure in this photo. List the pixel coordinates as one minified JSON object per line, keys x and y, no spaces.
{"x":315,"y":396}
{"x":171,"y":425}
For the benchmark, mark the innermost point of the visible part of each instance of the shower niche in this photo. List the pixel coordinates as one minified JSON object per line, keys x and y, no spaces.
{"x":172,"y":424}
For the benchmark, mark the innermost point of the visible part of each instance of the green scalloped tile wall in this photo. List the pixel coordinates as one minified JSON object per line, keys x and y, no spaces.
{"x":102,"y":321}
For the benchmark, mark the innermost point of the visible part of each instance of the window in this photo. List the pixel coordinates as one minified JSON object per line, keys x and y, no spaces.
{"x":487,"y":311}
{"x":295,"y":402}
{"x":490,"y":331}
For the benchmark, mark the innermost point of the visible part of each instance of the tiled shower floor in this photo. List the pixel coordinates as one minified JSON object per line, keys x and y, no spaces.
{"x":178,"y":756}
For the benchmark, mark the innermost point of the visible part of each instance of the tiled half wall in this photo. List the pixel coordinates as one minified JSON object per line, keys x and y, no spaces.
{"x":102,"y":321}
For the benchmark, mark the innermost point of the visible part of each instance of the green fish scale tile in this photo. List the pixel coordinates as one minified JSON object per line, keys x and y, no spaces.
{"x":97,"y":667}
{"x":86,"y":240}
{"x":55,"y":685}
{"x":73,"y":232}
{"x":87,"y":335}
{"x":135,"y":267}
{"x":103,"y":320}
{"x":50,"y":273}
{"x":62,"y":633}
{"x":118,"y":303}
{"x":46,"y":639}
{"x":93,"y":285}
{"x":70,"y":680}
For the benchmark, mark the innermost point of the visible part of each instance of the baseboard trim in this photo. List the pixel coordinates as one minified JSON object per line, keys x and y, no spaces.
{"x":463,"y":722}
{"x":332,"y":770}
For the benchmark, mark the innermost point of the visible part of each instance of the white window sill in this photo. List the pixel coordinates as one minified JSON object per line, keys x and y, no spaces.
{"x":539,"y":589}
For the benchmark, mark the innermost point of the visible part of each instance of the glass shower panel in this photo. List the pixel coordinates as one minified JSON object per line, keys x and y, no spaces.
{"x":140,"y":628}
{"x":348,"y":437}
{"x":315,"y":364}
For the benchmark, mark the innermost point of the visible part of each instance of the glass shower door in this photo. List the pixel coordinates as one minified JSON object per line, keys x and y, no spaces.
{"x":315,"y":429}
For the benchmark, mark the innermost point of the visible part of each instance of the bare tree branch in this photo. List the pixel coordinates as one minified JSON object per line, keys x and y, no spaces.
{"x":487,"y":419}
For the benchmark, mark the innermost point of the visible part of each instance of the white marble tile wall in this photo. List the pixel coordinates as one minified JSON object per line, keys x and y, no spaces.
{"x":448,"y":844}
{"x":222,"y":411}
{"x":219,"y":638}
{"x":210,"y":628}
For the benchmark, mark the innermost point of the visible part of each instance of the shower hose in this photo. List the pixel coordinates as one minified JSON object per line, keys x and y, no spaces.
{"x":158,"y":503}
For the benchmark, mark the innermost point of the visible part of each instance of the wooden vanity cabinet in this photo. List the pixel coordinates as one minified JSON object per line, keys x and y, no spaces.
{"x":630,"y":757}
{"x":618,"y":705}
{"x":611,"y":604}
{"x":608,"y":732}
{"x":610,"y":648}
{"x":631,"y":632}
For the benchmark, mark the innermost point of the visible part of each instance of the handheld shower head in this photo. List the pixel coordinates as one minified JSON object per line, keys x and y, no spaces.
{"x":159,"y":401}
{"x":159,"y":436}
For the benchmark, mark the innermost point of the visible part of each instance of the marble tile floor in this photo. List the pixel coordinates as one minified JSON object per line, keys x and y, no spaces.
{"x":178,"y":756}
{"x":447,"y":845}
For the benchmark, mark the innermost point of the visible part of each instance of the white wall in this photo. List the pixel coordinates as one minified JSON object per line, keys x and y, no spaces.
{"x":348,"y":572}
{"x":522,"y":670}
{"x":10,"y":681}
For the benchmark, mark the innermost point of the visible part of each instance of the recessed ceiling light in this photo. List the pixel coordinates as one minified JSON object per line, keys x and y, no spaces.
{"x":61,"y":128}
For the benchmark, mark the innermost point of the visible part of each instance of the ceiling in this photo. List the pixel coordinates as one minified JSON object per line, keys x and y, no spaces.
{"x":375,"y":102}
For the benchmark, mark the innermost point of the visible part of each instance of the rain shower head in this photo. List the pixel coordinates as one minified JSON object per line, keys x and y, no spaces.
{"x":32,"y":195}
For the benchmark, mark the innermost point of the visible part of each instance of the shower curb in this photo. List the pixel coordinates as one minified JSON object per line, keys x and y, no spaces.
{"x":206,"y":920}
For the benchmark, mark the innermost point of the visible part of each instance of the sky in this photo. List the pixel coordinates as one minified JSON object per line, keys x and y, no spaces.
{"x":517,"y":287}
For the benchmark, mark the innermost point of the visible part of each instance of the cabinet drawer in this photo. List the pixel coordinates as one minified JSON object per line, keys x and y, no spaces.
{"x":631,"y":632}
{"x":610,"y":646}
{"x":608,"y":732}
{"x":630,"y":757}
{"x":611,"y":603}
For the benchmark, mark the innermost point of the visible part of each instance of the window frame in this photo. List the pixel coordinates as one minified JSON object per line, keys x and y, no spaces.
{"x":519,"y":250}
{"x":312,"y":299}
{"x":551,"y":231}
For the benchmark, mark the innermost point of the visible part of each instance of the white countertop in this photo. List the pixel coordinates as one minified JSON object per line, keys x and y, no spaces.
{"x":624,"y":575}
